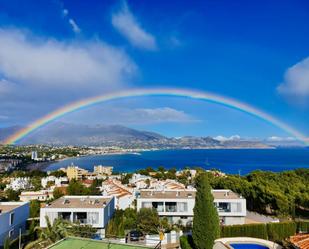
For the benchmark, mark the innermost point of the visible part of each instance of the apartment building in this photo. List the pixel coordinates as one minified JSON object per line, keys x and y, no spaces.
{"x":74,"y":172}
{"x":177,"y":205}
{"x":13,"y":217}
{"x":91,"y":210}
{"x":103,"y":170}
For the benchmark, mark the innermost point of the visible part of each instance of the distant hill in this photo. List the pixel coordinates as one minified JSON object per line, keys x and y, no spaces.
{"x":117,"y":135}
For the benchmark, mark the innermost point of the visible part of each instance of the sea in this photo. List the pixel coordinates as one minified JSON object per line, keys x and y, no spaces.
{"x":231,"y":161}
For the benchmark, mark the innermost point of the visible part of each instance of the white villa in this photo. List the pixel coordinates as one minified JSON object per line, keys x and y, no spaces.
{"x":41,"y":195}
{"x":91,"y":210}
{"x":20,"y":183}
{"x":13,"y":217}
{"x":124,"y":195}
{"x":56,"y":181}
{"x":177,"y":205}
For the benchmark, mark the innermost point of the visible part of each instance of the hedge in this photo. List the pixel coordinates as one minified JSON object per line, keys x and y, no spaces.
{"x":249,"y":230}
{"x":280,"y":231}
{"x":303,"y":226}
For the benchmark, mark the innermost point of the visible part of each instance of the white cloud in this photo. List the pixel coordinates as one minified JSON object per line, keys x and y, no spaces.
{"x":37,"y":61}
{"x":135,"y":116}
{"x":75,"y":27}
{"x":296,"y":82}
{"x":161,"y":115}
{"x":231,"y":138}
{"x":41,"y":74}
{"x":280,"y":139}
{"x":125,"y":22}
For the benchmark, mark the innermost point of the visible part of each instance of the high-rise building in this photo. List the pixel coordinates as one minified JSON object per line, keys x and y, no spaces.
{"x":34,"y":155}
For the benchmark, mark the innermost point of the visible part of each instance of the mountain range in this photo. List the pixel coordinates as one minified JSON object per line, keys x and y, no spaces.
{"x":60,"y":134}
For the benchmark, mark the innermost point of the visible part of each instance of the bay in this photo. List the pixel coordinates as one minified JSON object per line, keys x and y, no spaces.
{"x":232,"y":161}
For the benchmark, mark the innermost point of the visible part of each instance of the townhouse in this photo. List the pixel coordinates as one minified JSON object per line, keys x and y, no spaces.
{"x":177,"y":205}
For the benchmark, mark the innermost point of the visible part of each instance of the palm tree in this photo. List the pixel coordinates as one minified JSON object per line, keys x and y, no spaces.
{"x":50,"y":234}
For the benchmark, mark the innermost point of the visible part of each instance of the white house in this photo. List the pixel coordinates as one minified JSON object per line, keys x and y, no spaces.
{"x":177,"y":205}
{"x":57,"y":181}
{"x":124,"y":195}
{"x":20,"y":183}
{"x":41,"y":195}
{"x":91,"y":210}
{"x":13,"y":217}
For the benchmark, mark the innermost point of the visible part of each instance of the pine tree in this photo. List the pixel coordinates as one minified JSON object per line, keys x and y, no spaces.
{"x":206,"y":220}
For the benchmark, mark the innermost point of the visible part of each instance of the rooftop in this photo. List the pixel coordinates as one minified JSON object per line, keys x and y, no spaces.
{"x":9,"y":206}
{"x":79,"y":243}
{"x":186,"y":193}
{"x":80,"y":202}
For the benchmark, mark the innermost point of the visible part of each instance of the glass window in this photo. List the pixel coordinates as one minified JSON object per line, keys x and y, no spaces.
{"x":159,"y":206}
{"x":224,"y":207}
{"x":11,"y":218}
{"x":170,"y":207}
{"x":182,"y":206}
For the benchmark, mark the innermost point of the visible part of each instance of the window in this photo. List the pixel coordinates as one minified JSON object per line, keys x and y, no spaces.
{"x":170,"y":207}
{"x":182,"y":206}
{"x":11,"y":219}
{"x":224,"y":207}
{"x":159,"y":206}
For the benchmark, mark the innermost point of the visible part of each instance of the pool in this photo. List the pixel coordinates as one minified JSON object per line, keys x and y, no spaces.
{"x":247,"y":246}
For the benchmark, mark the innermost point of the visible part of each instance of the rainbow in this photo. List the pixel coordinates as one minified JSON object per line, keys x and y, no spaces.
{"x":198,"y":95}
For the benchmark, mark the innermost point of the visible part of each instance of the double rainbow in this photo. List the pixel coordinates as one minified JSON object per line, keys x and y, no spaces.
{"x":198,"y":95}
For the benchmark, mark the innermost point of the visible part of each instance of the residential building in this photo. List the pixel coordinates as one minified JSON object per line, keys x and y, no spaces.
{"x":55,"y":181}
{"x":41,"y":195}
{"x":20,"y":183}
{"x":13,"y":217}
{"x":177,"y":205}
{"x":34,"y":155}
{"x":124,"y":195}
{"x":103,"y":170}
{"x":91,"y":210}
{"x":74,"y":172}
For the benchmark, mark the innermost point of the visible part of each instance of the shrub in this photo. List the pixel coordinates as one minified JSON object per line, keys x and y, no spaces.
{"x":280,"y":231}
{"x":185,"y":242}
{"x":302,"y":227}
{"x":249,"y":230}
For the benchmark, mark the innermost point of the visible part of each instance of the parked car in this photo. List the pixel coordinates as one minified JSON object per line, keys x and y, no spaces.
{"x":135,"y":235}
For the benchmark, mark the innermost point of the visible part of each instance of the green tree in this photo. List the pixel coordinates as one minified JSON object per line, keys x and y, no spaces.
{"x":58,"y":193}
{"x":77,"y":188}
{"x":206,"y":220}
{"x":12,"y":195}
{"x":50,"y":234}
{"x":148,"y":220}
{"x":58,"y":173}
{"x":34,"y":208}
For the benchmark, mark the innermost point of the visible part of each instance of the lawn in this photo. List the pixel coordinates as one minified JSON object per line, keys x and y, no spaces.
{"x":76,"y":243}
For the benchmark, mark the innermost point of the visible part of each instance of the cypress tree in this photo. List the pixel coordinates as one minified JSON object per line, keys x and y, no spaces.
{"x":206,"y":220}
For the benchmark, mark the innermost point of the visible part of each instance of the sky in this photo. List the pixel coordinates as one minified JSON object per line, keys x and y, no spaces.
{"x":54,"y":52}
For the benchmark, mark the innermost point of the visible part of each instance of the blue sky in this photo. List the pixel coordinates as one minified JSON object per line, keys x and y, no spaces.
{"x":55,"y":52}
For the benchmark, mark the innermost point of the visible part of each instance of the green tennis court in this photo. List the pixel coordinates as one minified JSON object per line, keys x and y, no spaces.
{"x":76,"y":243}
